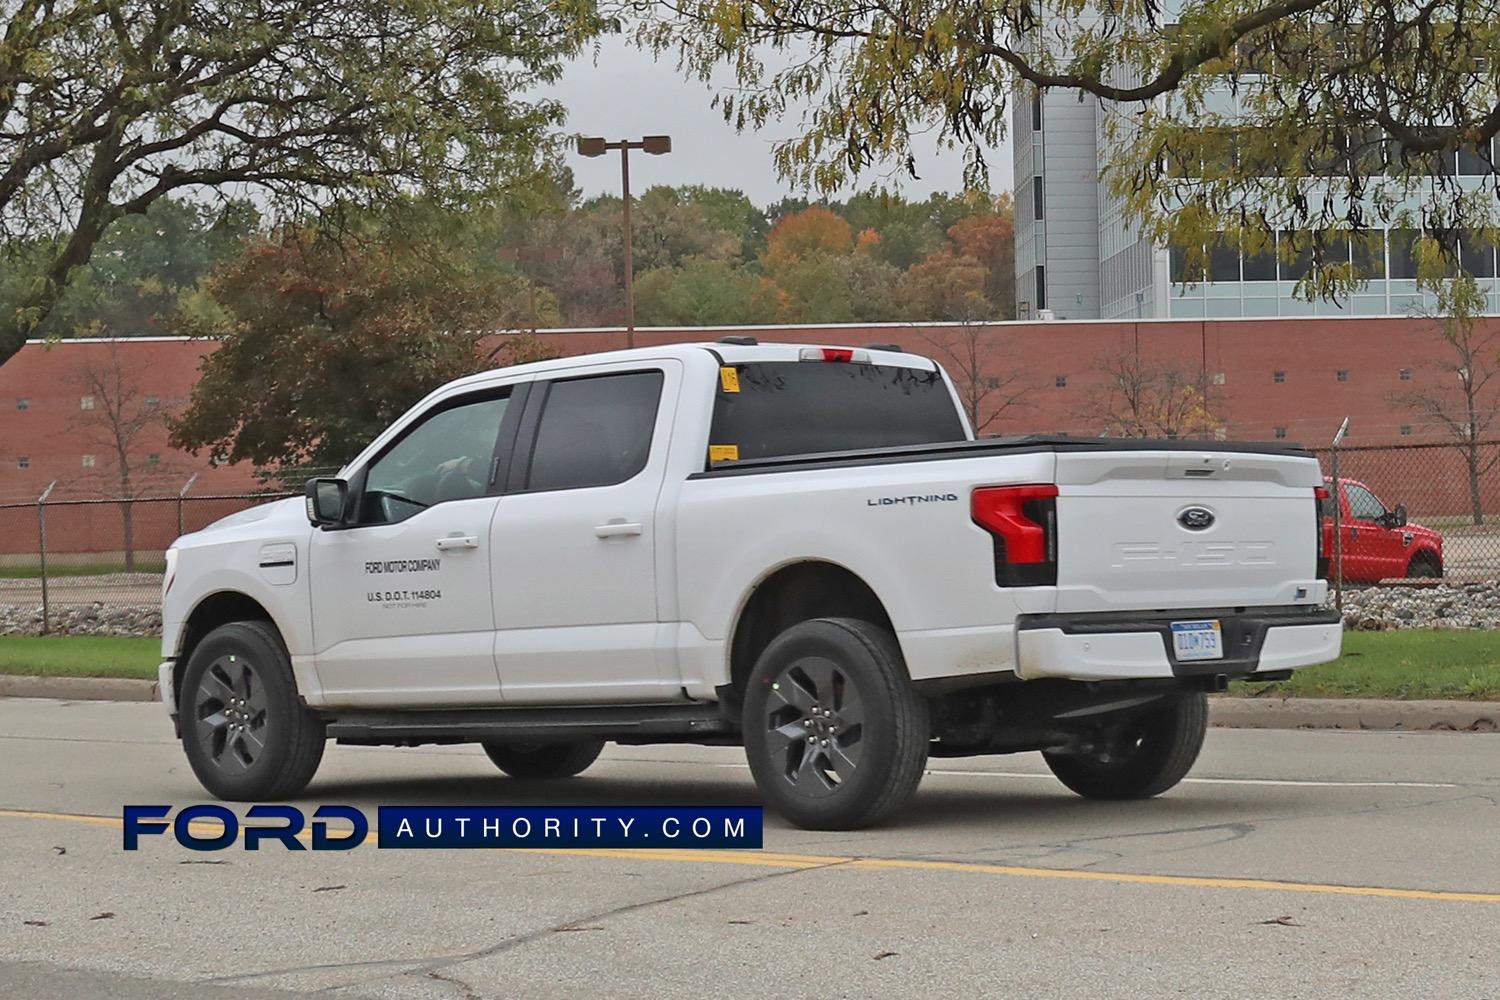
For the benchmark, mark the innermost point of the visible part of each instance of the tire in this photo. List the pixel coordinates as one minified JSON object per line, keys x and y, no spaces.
{"x":835,"y":734}
{"x":247,"y":735}
{"x":544,"y":761}
{"x":1424,"y":565}
{"x":1149,"y":754}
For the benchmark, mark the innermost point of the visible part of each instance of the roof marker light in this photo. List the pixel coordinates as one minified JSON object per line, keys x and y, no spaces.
{"x":834,"y":354}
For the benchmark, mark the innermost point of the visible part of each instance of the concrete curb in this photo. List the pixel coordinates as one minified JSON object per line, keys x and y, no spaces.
{"x":1230,"y":713}
{"x":1354,"y":713}
{"x":77,"y":688}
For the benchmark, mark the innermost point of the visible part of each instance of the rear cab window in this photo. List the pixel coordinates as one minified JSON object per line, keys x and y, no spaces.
{"x":776,"y":409}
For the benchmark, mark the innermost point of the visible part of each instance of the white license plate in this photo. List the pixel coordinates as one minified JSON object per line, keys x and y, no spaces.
{"x":1198,"y":640}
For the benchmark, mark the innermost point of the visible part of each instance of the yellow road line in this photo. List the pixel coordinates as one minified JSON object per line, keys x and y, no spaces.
{"x":769,"y":859}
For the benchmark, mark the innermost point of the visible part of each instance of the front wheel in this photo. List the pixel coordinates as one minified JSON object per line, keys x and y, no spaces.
{"x":835,"y":734}
{"x":544,"y":761}
{"x":1424,"y":566}
{"x":246,"y":733}
{"x":1142,"y":757}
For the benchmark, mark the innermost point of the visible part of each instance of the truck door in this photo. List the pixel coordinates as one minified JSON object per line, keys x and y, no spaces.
{"x":401,"y":599}
{"x":576,"y":543}
{"x":1366,"y":539}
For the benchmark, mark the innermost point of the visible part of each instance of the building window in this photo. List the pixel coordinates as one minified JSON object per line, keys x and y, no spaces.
{"x":153,"y":401}
{"x":1062,"y":382}
{"x":1404,"y":374}
{"x":1221,"y":433}
{"x":86,"y":402}
{"x":1041,"y":287}
{"x":23,"y":402}
{"x":1037,"y":210}
{"x":1036,"y":111}
{"x":1278,"y":376}
{"x":88,"y":461}
{"x":1218,"y":378}
{"x":23,"y":462}
{"x":153,"y":459}
{"x":218,"y":460}
{"x":1343,"y":375}
{"x":1280,"y":433}
{"x":1406,"y":430}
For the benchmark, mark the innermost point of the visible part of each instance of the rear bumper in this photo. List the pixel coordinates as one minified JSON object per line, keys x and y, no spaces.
{"x":1115,"y":646}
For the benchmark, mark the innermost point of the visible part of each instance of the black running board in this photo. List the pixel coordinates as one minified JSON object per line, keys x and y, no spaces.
{"x":620,"y":723}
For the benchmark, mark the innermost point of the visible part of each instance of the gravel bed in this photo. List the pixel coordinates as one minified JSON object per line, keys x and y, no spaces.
{"x":1445,"y":606}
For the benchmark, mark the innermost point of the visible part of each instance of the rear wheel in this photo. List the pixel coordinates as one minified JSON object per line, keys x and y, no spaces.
{"x":1424,"y":564}
{"x":246,"y":733}
{"x":835,"y":734}
{"x":544,"y":761}
{"x":1142,"y":757}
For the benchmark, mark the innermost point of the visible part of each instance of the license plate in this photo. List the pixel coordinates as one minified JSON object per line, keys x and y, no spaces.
{"x":1198,"y":640}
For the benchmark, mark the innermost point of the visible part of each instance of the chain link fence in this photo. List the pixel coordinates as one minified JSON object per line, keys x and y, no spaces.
{"x":94,"y":566}
{"x":1449,"y":494}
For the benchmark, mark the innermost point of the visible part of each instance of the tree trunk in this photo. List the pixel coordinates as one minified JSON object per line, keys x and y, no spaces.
{"x":1471,"y":460}
{"x":127,"y":525}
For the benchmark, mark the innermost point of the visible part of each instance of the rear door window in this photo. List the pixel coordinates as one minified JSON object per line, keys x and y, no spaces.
{"x":594,"y":431}
{"x":784,"y":408}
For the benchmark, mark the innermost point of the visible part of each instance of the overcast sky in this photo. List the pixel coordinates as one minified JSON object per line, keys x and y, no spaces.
{"x":626,"y":94}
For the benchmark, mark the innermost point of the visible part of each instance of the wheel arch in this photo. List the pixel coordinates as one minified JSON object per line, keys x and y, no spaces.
{"x":1426,"y":553}
{"x":795,"y":592}
{"x":218,"y":608}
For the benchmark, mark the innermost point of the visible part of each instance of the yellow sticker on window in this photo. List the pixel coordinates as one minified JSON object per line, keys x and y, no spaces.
{"x":729,"y":378}
{"x":724,"y":452}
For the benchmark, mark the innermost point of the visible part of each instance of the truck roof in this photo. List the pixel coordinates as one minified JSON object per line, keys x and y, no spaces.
{"x":728,"y":353}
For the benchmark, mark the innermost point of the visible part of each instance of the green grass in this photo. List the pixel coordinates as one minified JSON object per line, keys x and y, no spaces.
{"x":32,"y":571}
{"x":1411,"y":664}
{"x":1417,"y":663}
{"x":79,"y":656}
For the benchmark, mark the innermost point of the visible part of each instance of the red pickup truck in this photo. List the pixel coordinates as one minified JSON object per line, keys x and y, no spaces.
{"x":1378,"y":543}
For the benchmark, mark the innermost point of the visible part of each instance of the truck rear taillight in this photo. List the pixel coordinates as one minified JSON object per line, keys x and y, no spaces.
{"x":1022,"y":520}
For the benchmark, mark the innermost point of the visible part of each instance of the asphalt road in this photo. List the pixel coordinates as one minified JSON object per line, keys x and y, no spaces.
{"x":998,"y":883}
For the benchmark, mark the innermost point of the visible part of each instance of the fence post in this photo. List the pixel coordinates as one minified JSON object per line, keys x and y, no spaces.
{"x":1338,"y":520}
{"x":180,"y":495}
{"x":41,"y":524}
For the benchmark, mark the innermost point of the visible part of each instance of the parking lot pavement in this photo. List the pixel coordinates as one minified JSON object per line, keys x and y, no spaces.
{"x":997,"y":883}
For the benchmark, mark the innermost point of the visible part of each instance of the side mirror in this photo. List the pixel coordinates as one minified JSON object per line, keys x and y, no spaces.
{"x":1399,"y":516}
{"x":326,"y":499}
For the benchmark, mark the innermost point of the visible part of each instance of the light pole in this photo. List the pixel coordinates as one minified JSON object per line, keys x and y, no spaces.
{"x":656,"y":145}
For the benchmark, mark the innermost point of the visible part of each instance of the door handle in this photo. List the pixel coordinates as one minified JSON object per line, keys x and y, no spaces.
{"x":617,"y":528}
{"x":457,"y":542}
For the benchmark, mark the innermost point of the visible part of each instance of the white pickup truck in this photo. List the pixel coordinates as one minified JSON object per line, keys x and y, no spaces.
{"x":799,"y":549}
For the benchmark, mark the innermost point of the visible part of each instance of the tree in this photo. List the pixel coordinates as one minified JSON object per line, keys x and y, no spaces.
{"x":699,"y":293}
{"x":985,"y":389}
{"x":327,"y":344}
{"x":990,"y":240}
{"x":107,"y":107}
{"x":120,"y":414}
{"x":1465,"y":401}
{"x":1141,"y":397}
{"x":946,"y":287}
{"x":1346,"y":111}
{"x":143,"y":268}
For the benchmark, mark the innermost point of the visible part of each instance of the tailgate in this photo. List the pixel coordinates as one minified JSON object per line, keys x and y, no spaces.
{"x":1186,"y":529}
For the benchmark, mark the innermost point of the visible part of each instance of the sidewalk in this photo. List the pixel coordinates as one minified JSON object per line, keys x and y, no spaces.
{"x":1234,"y":713}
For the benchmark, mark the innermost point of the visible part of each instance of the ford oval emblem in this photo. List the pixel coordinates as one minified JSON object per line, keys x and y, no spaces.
{"x":1196,"y":518}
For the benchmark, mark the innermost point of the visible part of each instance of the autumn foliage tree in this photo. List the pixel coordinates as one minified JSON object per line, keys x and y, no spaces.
{"x":327,"y":342}
{"x":106,"y":108}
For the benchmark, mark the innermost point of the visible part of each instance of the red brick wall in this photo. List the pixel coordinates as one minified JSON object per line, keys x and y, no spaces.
{"x":1310,"y":403}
